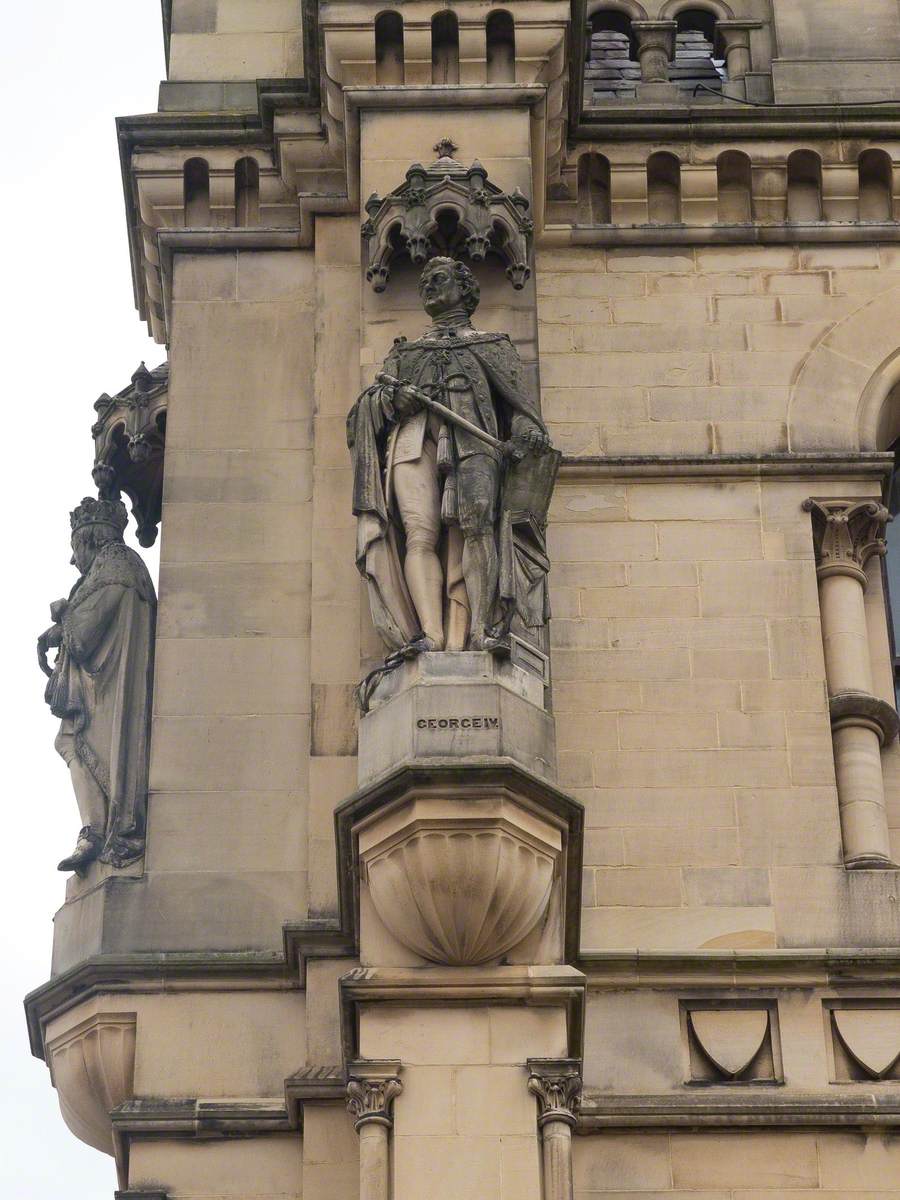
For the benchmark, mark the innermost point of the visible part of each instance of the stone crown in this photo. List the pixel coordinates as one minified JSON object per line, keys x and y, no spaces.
{"x":99,"y":512}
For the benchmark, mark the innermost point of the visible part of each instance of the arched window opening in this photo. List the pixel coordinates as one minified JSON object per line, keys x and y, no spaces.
{"x":196,"y":193}
{"x":612,"y":71}
{"x":695,"y":61}
{"x":500,"y":33}
{"x":389,"y":48}
{"x":876,"y":186}
{"x":246,"y":192}
{"x":594,"y":196}
{"x":663,"y":189}
{"x":734,"y":188}
{"x":804,"y":184}
{"x":444,"y":47}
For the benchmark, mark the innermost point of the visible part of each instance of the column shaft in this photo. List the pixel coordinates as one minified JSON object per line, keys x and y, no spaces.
{"x":557,"y":1150}
{"x":374,"y":1161}
{"x":844,"y":634}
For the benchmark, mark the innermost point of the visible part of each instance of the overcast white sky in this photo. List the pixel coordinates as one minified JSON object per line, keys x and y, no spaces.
{"x":70,"y":332}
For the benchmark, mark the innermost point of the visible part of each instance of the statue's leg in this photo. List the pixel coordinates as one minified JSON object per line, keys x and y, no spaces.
{"x":477,"y":483}
{"x":457,"y":620}
{"x":418,"y":498}
{"x":90,"y":800}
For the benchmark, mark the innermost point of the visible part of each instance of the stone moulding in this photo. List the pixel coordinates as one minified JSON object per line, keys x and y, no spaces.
{"x":535,"y":987}
{"x":413,"y":217}
{"x":603,"y":1111}
{"x":127,"y":974}
{"x":859,"y":708}
{"x":503,"y":780}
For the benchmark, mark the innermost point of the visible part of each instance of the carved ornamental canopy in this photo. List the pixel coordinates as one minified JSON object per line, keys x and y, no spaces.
{"x":129,"y":441}
{"x":451,"y":210}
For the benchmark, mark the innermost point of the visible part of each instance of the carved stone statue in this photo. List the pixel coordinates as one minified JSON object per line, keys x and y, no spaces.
{"x":450,"y":458}
{"x":100,"y":685}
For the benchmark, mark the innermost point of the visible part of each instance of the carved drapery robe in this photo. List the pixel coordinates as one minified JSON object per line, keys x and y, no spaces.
{"x":480,"y":377}
{"x":100,"y":688}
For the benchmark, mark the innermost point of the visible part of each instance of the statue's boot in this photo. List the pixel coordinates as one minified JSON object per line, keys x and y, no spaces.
{"x":86,"y":850}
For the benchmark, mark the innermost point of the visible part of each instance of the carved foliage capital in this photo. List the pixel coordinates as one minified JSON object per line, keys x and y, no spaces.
{"x":557,"y":1084}
{"x":370,"y":1096}
{"x":847,"y":533}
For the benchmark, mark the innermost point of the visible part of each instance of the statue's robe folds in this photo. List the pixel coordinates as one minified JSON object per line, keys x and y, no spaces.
{"x":101,"y":688}
{"x":496,"y":400}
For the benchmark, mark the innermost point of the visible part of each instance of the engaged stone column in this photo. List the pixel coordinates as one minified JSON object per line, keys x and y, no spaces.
{"x":371,"y":1091}
{"x":736,"y":45}
{"x":847,"y":534}
{"x":655,"y":50}
{"x":557,"y":1084}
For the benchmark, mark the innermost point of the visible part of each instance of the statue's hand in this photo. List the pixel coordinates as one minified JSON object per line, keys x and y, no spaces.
{"x":57,"y":608}
{"x":50,"y":639}
{"x":406,"y":401}
{"x":534,"y":439}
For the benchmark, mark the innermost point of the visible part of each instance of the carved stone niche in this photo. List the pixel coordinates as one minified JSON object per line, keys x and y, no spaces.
{"x":461,"y":865}
{"x":129,"y":444}
{"x":452,"y":210}
{"x":92,"y":1068}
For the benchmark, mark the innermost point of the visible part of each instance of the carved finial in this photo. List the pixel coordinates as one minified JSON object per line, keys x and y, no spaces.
{"x":370,"y":1096}
{"x":557,"y":1084}
{"x":445,"y":148}
{"x":847,"y":533}
{"x":143,"y":379}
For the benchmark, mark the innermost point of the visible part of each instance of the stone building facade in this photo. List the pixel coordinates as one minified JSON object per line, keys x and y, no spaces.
{"x":635,"y":932}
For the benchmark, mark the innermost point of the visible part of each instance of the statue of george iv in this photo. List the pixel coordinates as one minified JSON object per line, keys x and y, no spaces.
{"x":100,"y":685}
{"x":451,"y":464}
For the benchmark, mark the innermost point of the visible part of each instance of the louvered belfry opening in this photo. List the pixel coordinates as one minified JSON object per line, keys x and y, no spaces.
{"x":612,"y":71}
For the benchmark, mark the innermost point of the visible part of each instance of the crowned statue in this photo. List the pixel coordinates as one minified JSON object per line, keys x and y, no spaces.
{"x":100,"y":685}
{"x":452,"y":473}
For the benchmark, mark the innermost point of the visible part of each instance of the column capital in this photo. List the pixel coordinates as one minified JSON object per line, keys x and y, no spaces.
{"x":557,"y":1084}
{"x":372,"y":1088}
{"x":736,"y":32}
{"x":847,"y":533}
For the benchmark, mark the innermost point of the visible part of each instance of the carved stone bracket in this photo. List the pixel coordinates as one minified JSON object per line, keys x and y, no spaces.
{"x":129,"y":442}
{"x":448,"y":209}
{"x":557,"y":1084}
{"x":372,"y":1088}
{"x":847,"y":533}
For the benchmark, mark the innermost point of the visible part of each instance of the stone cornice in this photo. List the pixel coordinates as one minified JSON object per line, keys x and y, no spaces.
{"x":740,"y":1108}
{"x":869,"y":465}
{"x":162,"y":1117}
{"x":625,"y":121}
{"x":786,"y":234}
{"x":615,"y":969}
{"x":557,"y":986}
{"x":170,"y":971}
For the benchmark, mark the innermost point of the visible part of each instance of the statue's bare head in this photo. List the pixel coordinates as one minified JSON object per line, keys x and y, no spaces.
{"x":446,"y":284}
